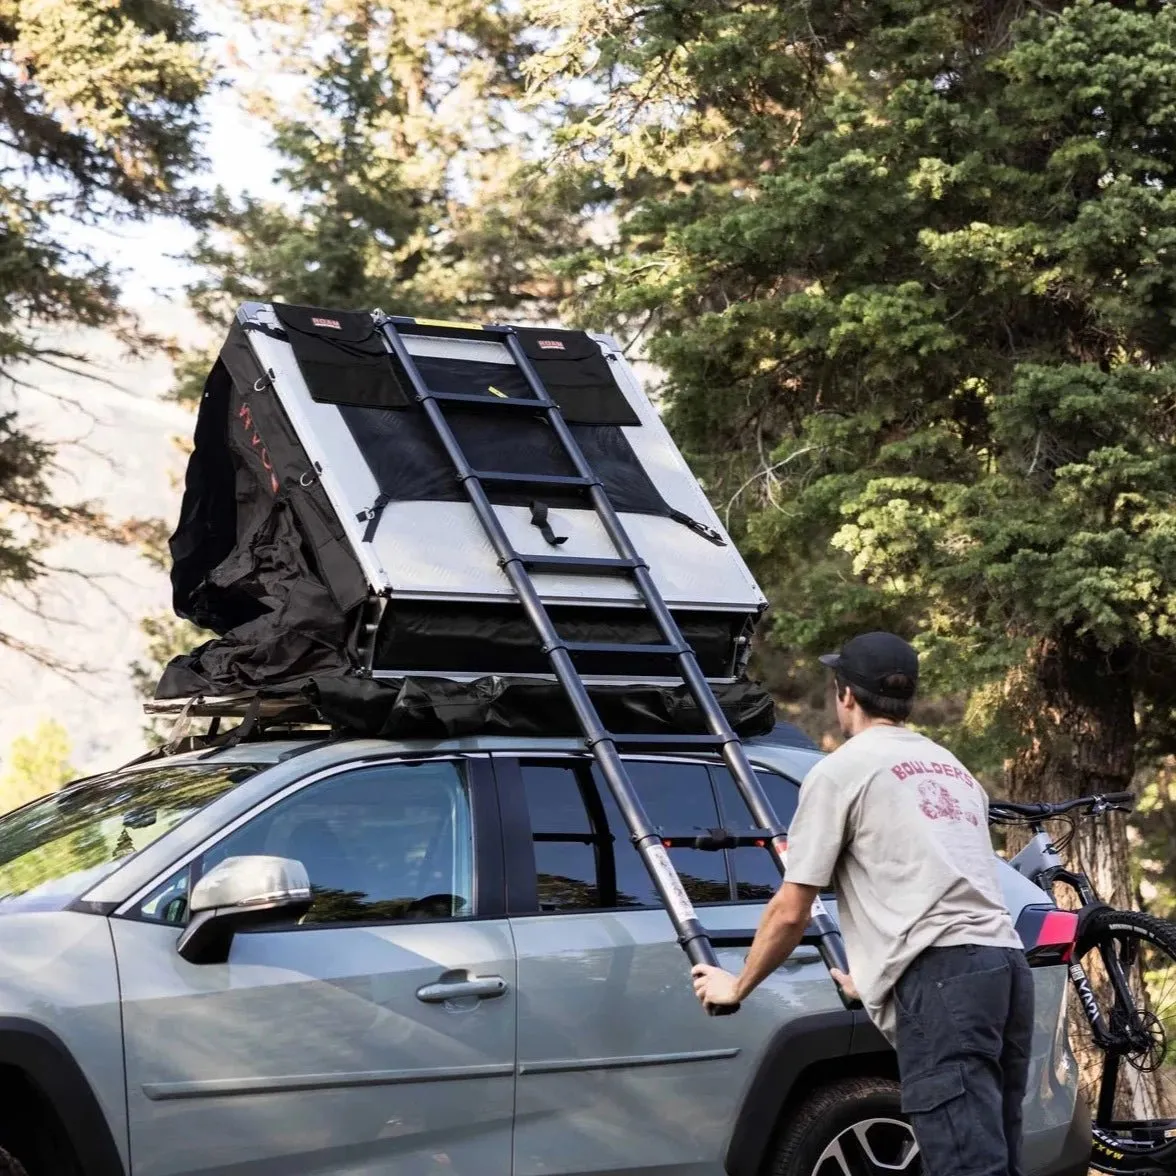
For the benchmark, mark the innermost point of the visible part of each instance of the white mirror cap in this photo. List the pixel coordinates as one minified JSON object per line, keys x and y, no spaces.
{"x":250,"y":881}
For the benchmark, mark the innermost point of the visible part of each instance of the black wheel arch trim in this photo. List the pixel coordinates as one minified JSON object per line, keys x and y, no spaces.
{"x":44,"y":1059}
{"x":793,"y":1048}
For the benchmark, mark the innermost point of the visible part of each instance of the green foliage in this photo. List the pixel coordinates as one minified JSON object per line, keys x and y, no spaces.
{"x":104,"y":819}
{"x":915,"y":313}
{"x":406,"y":180}
{"x":98,"y":115}
{"x":1154,"y":834}
{"x":36,"y":765}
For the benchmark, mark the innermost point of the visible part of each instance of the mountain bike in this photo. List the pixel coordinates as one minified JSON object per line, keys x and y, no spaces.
{"x":1122,"y":968}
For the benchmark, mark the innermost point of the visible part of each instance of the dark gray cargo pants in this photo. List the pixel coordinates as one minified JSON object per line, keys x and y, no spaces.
{"x":965,"y":1026}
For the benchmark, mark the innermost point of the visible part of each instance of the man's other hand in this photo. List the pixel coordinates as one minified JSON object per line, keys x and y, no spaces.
{"x":846,"y":983}
{"x":713,"y":986}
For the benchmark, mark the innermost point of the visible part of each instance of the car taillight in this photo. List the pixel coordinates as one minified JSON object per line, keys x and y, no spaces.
{"x":1048,"y":934}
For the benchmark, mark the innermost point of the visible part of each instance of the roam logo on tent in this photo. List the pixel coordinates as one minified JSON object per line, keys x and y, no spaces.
{"x":334,"y":324}
{"x":551,"y":345}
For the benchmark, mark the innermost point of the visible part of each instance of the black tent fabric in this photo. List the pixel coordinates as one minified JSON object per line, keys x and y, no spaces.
{"x":342,"y":357}
{"x":577,"y":377}
{"x":440,"y":708}
{"x":471,"y":637}
{"x":344,"y":361}
{"x":258,"y":556}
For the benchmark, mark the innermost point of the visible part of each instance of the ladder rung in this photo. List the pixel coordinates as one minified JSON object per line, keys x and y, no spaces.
{"x":615,"y":647}
{"x":743,"y":937}
{"x":504,"y":477}
{"x":576,"y":565}
{"x":474,"y":400}
{"x":670,"y":742}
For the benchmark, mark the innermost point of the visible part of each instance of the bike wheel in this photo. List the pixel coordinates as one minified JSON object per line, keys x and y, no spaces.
{"x":1129,"y":1081}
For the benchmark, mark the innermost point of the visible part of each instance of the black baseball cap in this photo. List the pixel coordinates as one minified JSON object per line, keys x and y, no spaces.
{"x":869,"y":659}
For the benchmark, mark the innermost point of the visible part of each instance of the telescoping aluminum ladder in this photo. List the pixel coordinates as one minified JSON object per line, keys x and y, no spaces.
{"x":606,"y":746}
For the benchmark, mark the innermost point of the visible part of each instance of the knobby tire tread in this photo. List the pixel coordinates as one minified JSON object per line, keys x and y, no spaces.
{"x":1162,"y":934}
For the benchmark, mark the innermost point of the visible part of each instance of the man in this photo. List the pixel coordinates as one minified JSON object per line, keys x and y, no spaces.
{"x":900,"y":829}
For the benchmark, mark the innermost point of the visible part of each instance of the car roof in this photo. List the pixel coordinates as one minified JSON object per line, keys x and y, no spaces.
{"x":273,"y":751}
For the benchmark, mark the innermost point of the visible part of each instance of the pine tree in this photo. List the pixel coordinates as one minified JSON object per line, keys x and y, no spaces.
{"x":407,"y":181}
{"x":914,"y":316}
{"x":98,"y":112}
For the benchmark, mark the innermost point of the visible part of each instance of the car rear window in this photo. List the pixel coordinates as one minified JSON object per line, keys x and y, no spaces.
{"x":584,"y":859}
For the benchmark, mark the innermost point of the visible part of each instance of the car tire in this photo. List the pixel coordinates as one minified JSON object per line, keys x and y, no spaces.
{"x":851,"y":1126}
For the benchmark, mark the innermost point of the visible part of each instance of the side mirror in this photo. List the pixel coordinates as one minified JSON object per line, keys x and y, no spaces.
{"x":241,"y":892}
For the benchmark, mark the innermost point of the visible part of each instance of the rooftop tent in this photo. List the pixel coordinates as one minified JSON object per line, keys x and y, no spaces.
{"x":326,"y":541}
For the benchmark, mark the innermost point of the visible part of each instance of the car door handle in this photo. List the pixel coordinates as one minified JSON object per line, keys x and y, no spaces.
{"x":483,"y":987}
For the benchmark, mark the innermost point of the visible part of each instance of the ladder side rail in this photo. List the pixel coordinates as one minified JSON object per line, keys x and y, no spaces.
{"x":822,"y":924}
{"x":733,"y":754}
{"x":689,"y":929}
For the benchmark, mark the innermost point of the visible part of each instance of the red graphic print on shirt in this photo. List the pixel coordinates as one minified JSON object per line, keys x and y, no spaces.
{"x":938,"y":804}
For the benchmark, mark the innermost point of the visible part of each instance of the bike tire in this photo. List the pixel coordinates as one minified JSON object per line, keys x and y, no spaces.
{"x":1145,"y":948}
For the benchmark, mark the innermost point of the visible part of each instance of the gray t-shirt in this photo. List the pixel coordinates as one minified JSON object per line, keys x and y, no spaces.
{"x":900,"y":829}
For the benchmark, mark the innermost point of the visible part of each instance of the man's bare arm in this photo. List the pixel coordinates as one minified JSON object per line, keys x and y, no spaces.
{"x":780,"y":930}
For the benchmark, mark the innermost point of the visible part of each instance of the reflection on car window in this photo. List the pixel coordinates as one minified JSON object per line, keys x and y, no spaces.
{"x":677,"y":798}
{"x":584,"y":863}
{"x":53,"y":850}
{"x":383,"y":843}
{"x":756,"y":876}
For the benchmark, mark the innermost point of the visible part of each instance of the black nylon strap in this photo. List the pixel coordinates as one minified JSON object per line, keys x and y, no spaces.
{"x":708,"y":533}
{"x":246,"y":726}
{"x":539,"y":519}
{"x":263,"y":329}
{"x":372,"y":515}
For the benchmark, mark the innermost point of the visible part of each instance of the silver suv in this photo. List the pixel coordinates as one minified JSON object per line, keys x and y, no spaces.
{"x":478,"y":979}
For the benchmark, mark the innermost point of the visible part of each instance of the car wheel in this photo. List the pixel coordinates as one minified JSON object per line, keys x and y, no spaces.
{"x":850,"y":1128}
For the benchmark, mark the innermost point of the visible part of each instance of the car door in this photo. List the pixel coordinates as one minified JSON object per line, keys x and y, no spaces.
{"x":620,"y":1070}
{"x":319,"y":1047}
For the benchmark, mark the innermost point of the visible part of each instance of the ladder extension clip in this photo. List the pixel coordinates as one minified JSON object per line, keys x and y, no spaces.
{"x":716,"y":839}
{"x":590,"y":741}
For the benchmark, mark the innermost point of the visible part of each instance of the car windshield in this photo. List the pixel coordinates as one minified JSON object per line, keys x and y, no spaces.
{"x":55,"y":849}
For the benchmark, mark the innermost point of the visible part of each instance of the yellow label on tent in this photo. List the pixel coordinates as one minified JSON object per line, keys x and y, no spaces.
{"x":446,"y":323}
{"x":497,"y":392}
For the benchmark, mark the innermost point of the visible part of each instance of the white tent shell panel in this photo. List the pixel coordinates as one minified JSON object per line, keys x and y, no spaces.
{"x":437,"y":550}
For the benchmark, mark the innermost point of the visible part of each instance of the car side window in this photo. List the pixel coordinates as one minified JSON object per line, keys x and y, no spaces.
{"x":756,"y":876}
{"x":584,"y":859}
{"x":383,"y":843}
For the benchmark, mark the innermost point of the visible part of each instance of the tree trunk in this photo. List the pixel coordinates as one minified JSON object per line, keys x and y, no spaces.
{"x":1075,"y":709}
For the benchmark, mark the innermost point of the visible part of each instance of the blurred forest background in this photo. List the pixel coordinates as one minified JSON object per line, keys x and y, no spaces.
{"x":902,"y":273}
